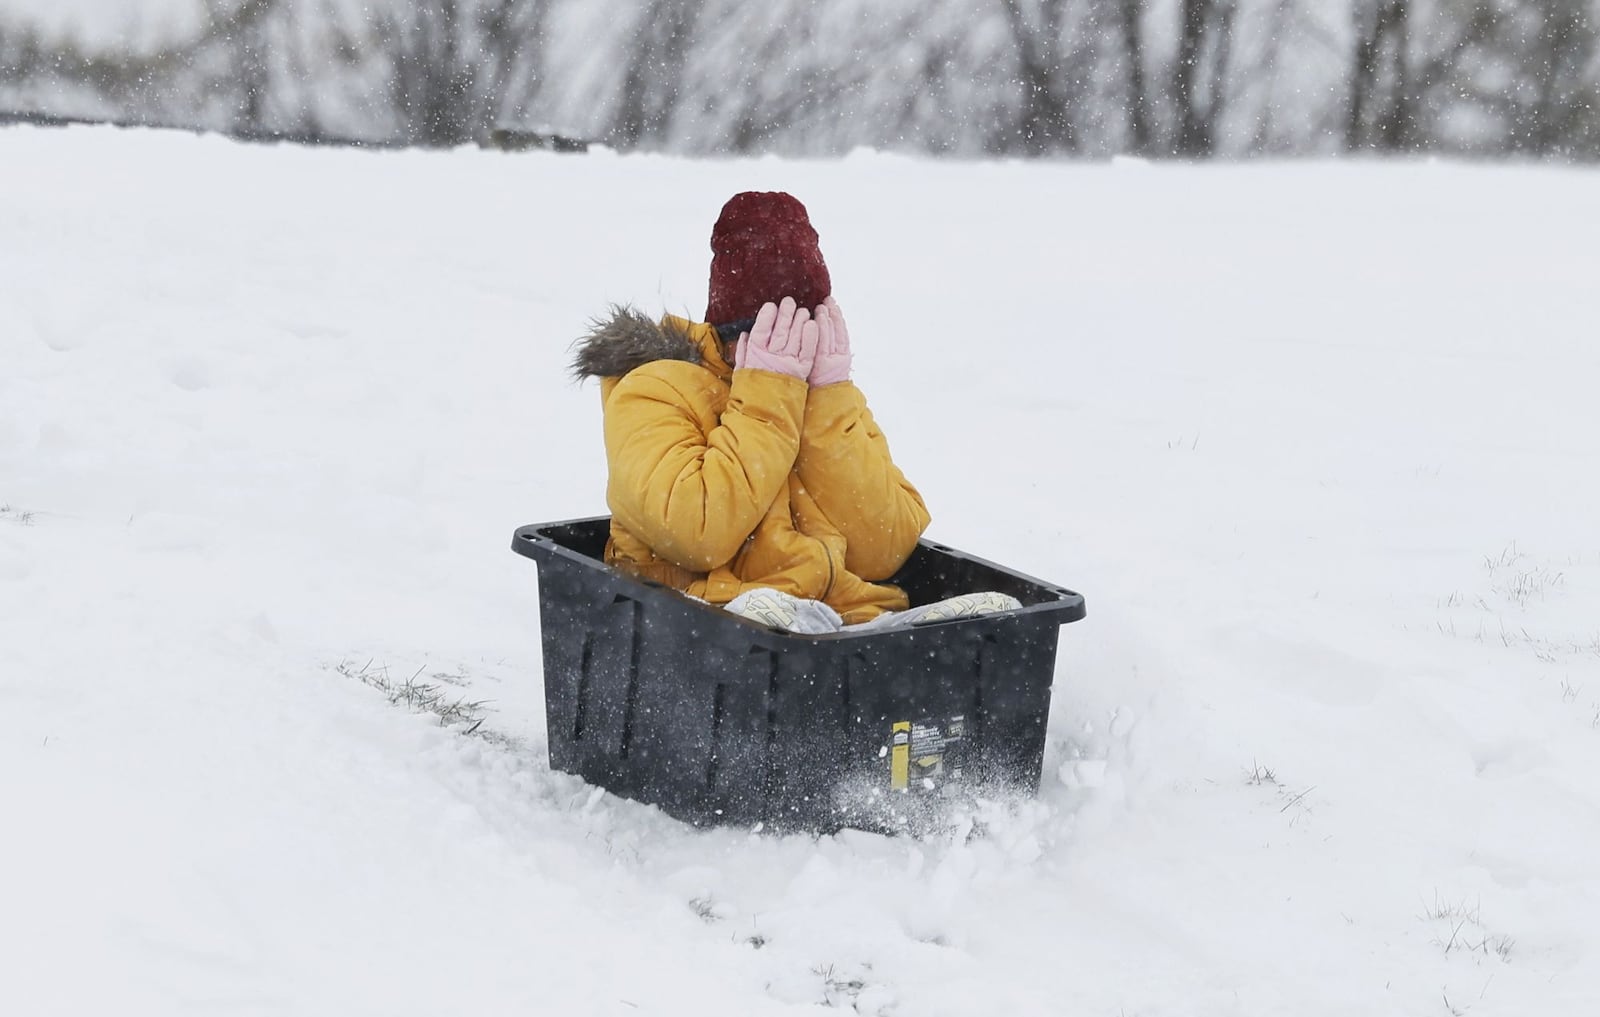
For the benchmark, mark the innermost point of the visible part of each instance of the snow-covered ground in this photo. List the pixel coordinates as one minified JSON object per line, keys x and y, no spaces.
{"x":1318,"y":442}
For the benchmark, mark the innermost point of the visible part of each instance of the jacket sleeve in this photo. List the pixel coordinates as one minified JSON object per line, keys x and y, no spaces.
{"x":690,"y":484}
{"x":844,"y":464}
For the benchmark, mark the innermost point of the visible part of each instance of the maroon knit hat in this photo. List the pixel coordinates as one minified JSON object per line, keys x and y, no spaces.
{"x":762,"y":250}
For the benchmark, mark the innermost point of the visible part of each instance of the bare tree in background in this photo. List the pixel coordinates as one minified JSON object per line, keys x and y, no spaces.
{"x":132,"y":82}
{"x":1045,"y":122}
{"x":453,"y":63}
{"x":1557,"y":107}
{"x":1287,"y":31}
{"x":1199,"y":72}
{"x":1130,"y":37}
{"x":431,"y":86}
{"x":778,"y":81}
{"x":19,"y":55}
{"x":1383,"y":98}
{"x":512,"y":49}
{"x":1022,"y":77}
{"x":656,"y":62}
{"x":242,"y":26}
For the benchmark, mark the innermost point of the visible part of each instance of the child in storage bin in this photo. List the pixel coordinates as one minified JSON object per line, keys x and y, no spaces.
{"x":745,"y":468}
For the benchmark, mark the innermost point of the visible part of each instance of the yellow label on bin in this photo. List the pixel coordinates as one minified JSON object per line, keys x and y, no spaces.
{"x":900,"y":756}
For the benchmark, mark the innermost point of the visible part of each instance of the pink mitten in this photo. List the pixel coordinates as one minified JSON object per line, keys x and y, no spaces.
{"x":783,"y":340}
{"x":833,"y":347}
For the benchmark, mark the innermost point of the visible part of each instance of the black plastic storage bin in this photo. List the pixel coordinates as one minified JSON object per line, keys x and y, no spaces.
{"x":662,"y":698}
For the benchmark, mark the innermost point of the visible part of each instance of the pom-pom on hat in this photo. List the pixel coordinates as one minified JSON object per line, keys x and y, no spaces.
{"x":763,"y":248}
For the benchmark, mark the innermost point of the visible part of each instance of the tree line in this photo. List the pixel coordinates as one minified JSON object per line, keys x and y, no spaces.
{"x":1029,"y":78}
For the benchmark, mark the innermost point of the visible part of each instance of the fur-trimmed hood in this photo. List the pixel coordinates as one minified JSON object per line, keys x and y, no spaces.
{"x":624,"y":339}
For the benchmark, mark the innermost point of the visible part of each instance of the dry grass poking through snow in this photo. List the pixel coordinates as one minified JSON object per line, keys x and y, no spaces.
{"x":421,"y":695}
{"x":1522,"y":606}
{"x":1518,"y":578}
{"x":1462,"y":929}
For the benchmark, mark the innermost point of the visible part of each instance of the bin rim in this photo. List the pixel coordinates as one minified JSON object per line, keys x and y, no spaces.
{"x":533,"y":542}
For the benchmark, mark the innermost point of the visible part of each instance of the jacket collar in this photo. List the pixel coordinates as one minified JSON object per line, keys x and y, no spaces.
{"x":708,"y":338}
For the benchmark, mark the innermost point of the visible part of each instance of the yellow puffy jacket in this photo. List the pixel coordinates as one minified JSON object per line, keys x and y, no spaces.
{"x":722,"y":481}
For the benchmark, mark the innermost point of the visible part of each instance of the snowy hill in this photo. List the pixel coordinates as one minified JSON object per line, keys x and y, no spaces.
{"x":1317,"y":442}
